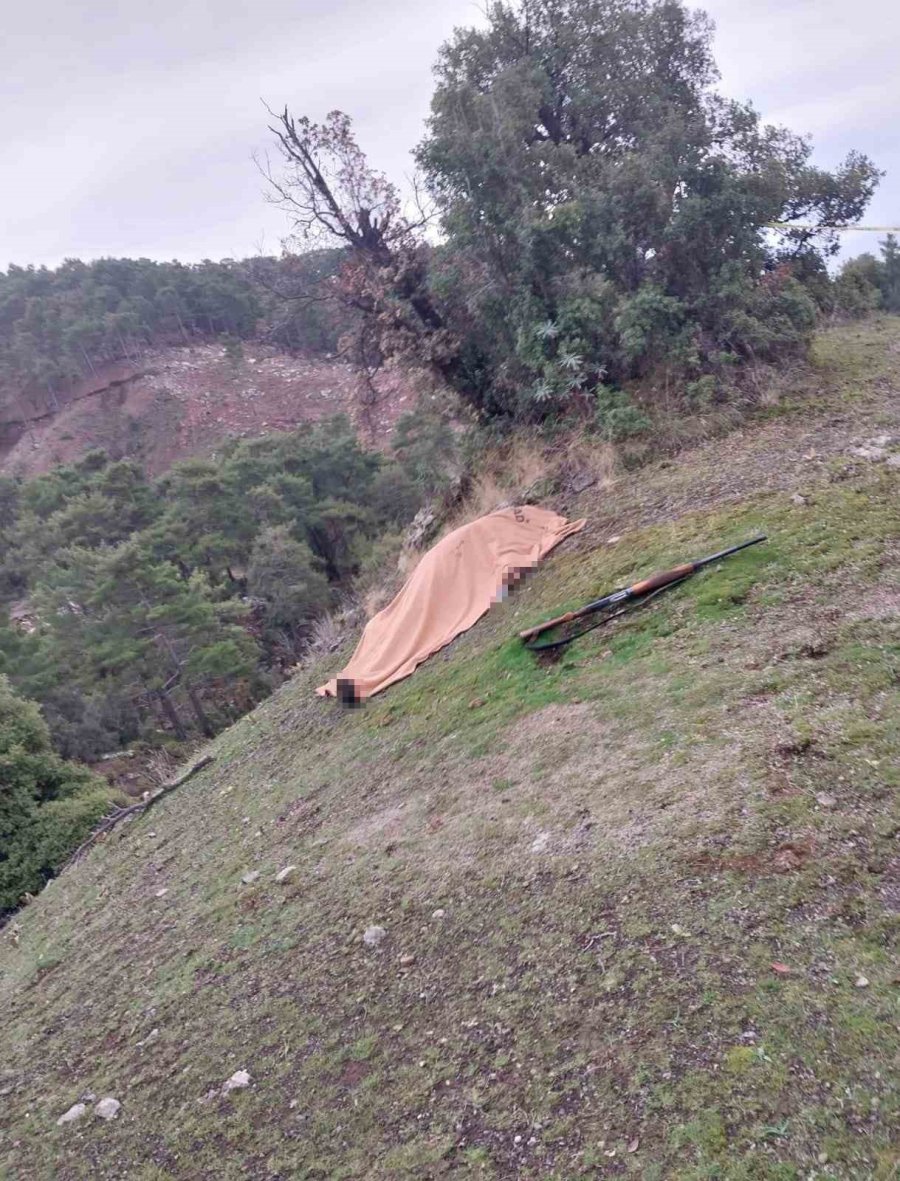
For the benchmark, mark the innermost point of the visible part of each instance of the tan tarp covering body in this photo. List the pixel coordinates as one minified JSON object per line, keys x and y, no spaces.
{"x":451,"y":588}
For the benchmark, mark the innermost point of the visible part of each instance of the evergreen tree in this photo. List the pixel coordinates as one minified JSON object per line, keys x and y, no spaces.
{"x":890,"y":273}
{"x":287,"y":579}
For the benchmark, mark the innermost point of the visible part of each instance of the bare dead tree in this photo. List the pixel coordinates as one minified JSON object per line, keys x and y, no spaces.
{"x":333,"y":197}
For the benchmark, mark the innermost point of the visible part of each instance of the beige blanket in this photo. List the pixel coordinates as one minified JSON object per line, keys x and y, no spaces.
{"x":450,"y":589}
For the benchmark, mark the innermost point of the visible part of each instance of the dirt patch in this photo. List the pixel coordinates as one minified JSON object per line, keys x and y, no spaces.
{"x":183,"y":401}
{"x":882,"y":602}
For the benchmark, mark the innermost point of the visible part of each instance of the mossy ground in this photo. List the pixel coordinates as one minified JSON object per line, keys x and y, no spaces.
{"x":623,"y":842}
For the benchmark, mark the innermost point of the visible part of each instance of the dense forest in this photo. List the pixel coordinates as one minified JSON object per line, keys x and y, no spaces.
{"x":597,"y":224}
{"x":58,"y":325}
{"x":168,"y":608}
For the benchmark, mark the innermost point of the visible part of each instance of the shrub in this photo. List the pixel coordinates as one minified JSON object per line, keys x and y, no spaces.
{"x":47,"y":806}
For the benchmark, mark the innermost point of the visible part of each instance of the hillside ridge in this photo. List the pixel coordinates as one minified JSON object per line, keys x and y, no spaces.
{"x":628,"y":913}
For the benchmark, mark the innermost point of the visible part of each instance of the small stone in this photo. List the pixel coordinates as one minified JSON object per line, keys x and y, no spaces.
{"x":862,"y":982}
{"x":634,"y":1145}
{"x":284,"y":874}
{"x":407,"y":960}
{"x":250,"y":877}
{"x":822,"y":1158}
{"x":613,"y":540}
{"x":798,"y":499}
{"x":824,"y":800}
{"x":893,"y":461}
{"x":438,"y":914}
{"x":76,"y":1111}
{"x":149,"y":1039}
{"x":239,"y":1079}
{"x":372,"y":936}
{"x":677,"y":929}
{"x":163,"y":892}
{"x":107,"y":1108}
{"x":540,"y":842}
{"x":517,"y":1139}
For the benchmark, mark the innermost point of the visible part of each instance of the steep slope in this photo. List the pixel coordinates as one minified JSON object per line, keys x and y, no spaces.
{"x":636,"y":906}
{"x":182,"y":401}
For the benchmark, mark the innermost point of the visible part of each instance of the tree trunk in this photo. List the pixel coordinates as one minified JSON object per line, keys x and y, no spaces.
{"x":170,"y":712}
{"x":199,"y":712}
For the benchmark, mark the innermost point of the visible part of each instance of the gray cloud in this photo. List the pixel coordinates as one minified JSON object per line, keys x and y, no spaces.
{"x":129,"y":130}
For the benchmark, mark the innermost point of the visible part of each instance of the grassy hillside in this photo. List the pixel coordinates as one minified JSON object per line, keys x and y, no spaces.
{"x":639,"y":904}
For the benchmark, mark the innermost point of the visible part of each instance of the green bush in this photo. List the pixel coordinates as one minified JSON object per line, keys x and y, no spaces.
{"x":47,"y":806}
{"x":616,"y":416}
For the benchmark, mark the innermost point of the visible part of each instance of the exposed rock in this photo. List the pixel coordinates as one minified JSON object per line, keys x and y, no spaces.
{"x":893,"y":461}
{"x":799,"y":499}
{"x":438,"y":914}
{"x":407,"y":961}
{"x":372,"y":936}
{"x":421,"y":529}
{"x":107,"y":1108}
{"x":149,"y":1039}
{"x":583,"y":480}
{"x":239,"y":1079}
{"x":540,"y":842}
{"x":824,"y":800}
{"x":870,"y":452}
{"x":76,"y":1111}
{"x":250,"y":877}
{"x":284,"y":874}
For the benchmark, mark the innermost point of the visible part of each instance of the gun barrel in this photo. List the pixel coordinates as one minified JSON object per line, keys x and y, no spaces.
{"x":731,"y":550}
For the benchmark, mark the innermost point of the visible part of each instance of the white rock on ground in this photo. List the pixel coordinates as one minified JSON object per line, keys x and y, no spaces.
{"x":76,"y":1111}
{"x":284,"y":874}
{"x":372,"y":936}
{"x":250,"y":877}
{"x":239,"y":1079}
{"x":108,"y":1108}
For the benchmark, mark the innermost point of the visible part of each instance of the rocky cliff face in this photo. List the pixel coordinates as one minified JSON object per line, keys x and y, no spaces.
{"x":176,"y":402}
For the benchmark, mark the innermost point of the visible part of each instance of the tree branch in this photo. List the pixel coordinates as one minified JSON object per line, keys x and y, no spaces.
{"x":109,"y":822}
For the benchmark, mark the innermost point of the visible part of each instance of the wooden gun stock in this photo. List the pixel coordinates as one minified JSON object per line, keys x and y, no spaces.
{"x":663,"y":578}
{"x":531,"y":632}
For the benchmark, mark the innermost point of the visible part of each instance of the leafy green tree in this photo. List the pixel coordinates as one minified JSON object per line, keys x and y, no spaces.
{"x":857,"y":286}
{"x":425,"y":447}
{"x":47,"y":806}
{"x":605,"y":210}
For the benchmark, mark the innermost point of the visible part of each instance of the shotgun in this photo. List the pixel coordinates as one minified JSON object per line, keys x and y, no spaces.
{"x":638,"y":592}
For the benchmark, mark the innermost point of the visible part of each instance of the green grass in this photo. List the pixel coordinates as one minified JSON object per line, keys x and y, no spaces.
{"x":622,"y":843}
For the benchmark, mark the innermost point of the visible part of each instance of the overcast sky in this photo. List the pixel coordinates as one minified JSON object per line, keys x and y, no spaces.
{"x":127,"y":128}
